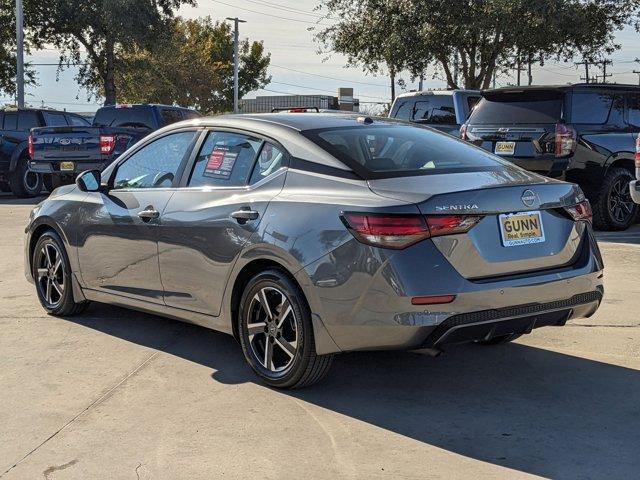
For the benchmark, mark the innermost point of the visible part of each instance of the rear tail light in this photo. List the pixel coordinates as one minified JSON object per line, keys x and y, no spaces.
{"x":581,"y":211}
{"x":463,"y":132}
{"x":637,"y":157}
{"x":30,"y":146}
{"x":107,"y":143}
{"x":401,"y":231}
{"x":565,"y":141}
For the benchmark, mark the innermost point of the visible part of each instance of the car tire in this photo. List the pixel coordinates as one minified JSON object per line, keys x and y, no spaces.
{"x":499,"y":340}
{"x":23,"y":182}
{"x":613,"y":208}
{"x":277,"y":340}
{"x":51,"y":272}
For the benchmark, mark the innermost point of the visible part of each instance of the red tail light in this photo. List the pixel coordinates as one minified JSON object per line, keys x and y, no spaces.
{"x":637,"y":157}
{"x":30,"y":146}
{"x":581,"y":211}
{"x":107,"y":143}
{"x":463,"y":132}
{"x":565,"y":140}
{"x":400,"y":231}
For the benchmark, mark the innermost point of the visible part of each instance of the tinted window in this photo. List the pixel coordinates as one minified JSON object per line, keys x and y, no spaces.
{"x":400,"y":149}
{"x":189,"y":114}
{"x":170,"y":115}
{"x":435,"y":109}
{"x":154,"y":165}
{"x":28,"y":120}
{"x":590,"y":107}
{"x":225,"y":159}
{"x":405,"y":110}
{"x":10,"y":121}
{"x":518,"y":108}
{"x":472,"y":102}
{"x":77,"y":121}
{"x":54,"y":119}
{"x":270,"y":160}
{"x":127,"y":117}
{"x":633,"y":109}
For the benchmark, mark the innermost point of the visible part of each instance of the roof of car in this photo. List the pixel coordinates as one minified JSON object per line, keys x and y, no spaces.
{"x":435,"y":92}
{"x":566,"y":86}
{"x":34,"y":109}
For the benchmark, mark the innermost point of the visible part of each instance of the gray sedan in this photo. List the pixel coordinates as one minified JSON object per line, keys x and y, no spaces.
{"x":305,"y":235}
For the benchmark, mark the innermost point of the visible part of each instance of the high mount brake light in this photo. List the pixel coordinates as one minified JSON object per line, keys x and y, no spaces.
{"x":107,"y":143}
{"x":581,"y":211}
{"x":565,"y":140}
{"x":401,"y":231}
{"x":30,"y":146}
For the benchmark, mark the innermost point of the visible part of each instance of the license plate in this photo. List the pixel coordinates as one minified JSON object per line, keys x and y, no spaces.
{"x":523,"y":228}
{"x":66,"y":166}
{"x":505,"y":148}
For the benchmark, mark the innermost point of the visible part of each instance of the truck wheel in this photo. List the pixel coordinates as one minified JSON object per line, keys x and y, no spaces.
{"x":23,"y":182}
{"x":614,"y":209}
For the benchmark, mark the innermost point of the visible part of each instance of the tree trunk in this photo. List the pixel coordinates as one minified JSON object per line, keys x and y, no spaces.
{"x":392,"y":75}
{"x":530,"y":61}
{"x":109,"y":81}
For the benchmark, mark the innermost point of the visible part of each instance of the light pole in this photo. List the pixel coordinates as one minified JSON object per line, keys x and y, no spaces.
{"x":19,"y":55}
{"x":236,"y":61}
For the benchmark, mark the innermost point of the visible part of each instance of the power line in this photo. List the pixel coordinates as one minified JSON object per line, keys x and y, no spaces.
{"x":277,"y":6}
{"x":267,"y":14}
{"x":322,"y":90}
{"x":328,"y":77}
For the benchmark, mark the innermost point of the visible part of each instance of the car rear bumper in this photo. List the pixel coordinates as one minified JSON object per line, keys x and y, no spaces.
{"x":53,"y":167}
{"x":634,"y":187}
{"x":369,"y":307}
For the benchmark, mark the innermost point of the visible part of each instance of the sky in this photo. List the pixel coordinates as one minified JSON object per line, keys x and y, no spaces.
{"x":296,"y":67}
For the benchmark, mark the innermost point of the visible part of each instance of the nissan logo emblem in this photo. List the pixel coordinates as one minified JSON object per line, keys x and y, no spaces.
{"x":528,"y":198}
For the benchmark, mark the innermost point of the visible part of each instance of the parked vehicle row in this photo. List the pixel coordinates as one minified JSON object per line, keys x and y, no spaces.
{"x":305,"y":235}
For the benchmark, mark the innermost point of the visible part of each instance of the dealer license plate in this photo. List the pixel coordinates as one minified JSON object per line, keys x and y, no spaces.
{"x":521,"y":228}
{"x":505,"y":148}
{"x":66,"y":166}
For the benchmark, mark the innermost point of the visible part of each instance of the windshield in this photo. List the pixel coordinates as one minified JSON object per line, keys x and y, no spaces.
{"x":518,"y":108}
{"x":376,"y":151}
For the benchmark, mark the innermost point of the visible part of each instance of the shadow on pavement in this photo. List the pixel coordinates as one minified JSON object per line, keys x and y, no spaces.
{"x":9,"y":199}
{"x":520,"y":407}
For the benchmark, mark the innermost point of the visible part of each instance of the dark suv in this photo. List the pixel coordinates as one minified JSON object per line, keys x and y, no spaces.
{"x":583,"y":133}
{"x":15,"y":124}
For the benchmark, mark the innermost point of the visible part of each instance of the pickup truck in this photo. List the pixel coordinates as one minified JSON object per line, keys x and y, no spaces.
{"x":63,"y":152}
{"x":445,"y":110}
{"x":15,"y":125}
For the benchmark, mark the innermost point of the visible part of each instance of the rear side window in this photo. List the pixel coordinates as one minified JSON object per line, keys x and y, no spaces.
{"x":77,"y":121}
{"x":633,"y":109}
{"x":54,"y":119}
{"x":588,"y":107}
{"x":28,"y":120}
{"x":518,"y":108}
{"x":270,"y":160}
{"x":10,"y":121}
{"x":225,"y":159}
{"x":377,"y":151}
{"x":170,"y":115}
{"x":189,"y":114}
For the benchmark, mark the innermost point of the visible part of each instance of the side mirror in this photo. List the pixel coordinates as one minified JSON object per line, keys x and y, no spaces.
{"x":89,"y":181}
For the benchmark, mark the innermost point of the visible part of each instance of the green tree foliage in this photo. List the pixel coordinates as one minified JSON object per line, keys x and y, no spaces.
{"x":8,"y":49}
{"x":94,"y":30}
{"x":191,"y":66}
{"x":486,"y":35}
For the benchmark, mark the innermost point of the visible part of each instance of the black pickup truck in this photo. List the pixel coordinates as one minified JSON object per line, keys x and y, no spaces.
{"x":15,"y":125}
{"x":63,"y":152}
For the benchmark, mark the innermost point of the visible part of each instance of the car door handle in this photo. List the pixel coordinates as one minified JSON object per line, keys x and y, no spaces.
{"x":244,"y":215}
{"x":148,"y":214}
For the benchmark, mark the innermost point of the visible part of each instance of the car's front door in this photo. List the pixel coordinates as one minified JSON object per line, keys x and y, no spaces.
{"x":224,"y":195}
{"x":118,"y":231}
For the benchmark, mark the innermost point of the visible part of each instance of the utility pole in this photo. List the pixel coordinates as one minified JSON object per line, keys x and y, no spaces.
{"x":604,"y":64}
{"x":19,"y":54}
{"x":586,"y":70}
{"x":236,"y":61}
{"x":637,"y":72}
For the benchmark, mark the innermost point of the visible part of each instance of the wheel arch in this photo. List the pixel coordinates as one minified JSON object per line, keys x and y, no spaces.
{"x":621,"y":159}
{"x":41,"y":226}
{"x":18,"y":152}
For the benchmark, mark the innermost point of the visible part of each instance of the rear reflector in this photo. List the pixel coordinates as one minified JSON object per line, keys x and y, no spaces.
{"x":432,"y":299}
{"x":30,"y":146}
{"x":637,"y":157}
{"x":581,"y":211}
{"x":400,"y":231}
{"x":107,"y":143}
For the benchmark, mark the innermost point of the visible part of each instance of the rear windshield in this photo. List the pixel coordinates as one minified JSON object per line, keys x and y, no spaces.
{"x":140,"y":117}
{"x":427,"y":109}
{"x":378,"y":151}
{"x":518,"y":108}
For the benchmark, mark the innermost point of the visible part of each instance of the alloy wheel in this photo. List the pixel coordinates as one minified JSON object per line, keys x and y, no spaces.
{"x":620,"y":203}
{"x":272,"y":329}
{"x":50,"y":274}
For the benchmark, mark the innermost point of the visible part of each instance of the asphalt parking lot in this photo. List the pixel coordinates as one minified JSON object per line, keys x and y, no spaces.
{"x":119,"y":394}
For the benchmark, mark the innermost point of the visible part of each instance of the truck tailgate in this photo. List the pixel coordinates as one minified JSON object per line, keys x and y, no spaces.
{"x":66,"y":143}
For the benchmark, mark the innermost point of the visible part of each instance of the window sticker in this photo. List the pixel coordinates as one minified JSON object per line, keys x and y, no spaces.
{"x":221,"y":161}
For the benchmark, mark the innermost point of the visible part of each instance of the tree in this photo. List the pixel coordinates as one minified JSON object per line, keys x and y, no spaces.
{"x":191,"y":66}
{"x":8,"y":64}
{"x":485,"y":35}
{"x":97,"y":28}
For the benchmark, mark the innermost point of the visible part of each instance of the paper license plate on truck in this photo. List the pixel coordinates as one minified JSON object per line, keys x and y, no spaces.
{"x":521,"y":228}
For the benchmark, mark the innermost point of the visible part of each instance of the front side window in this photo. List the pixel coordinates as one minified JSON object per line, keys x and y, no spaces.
{"x":225,"y":159}
{"x":156,"y":164}
{"x":377,"y":151}
{"x":11,"y":121}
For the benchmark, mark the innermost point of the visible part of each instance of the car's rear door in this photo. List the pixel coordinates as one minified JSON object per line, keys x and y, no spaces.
{"x":117,"y":235}
{"x":223,"y":198}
